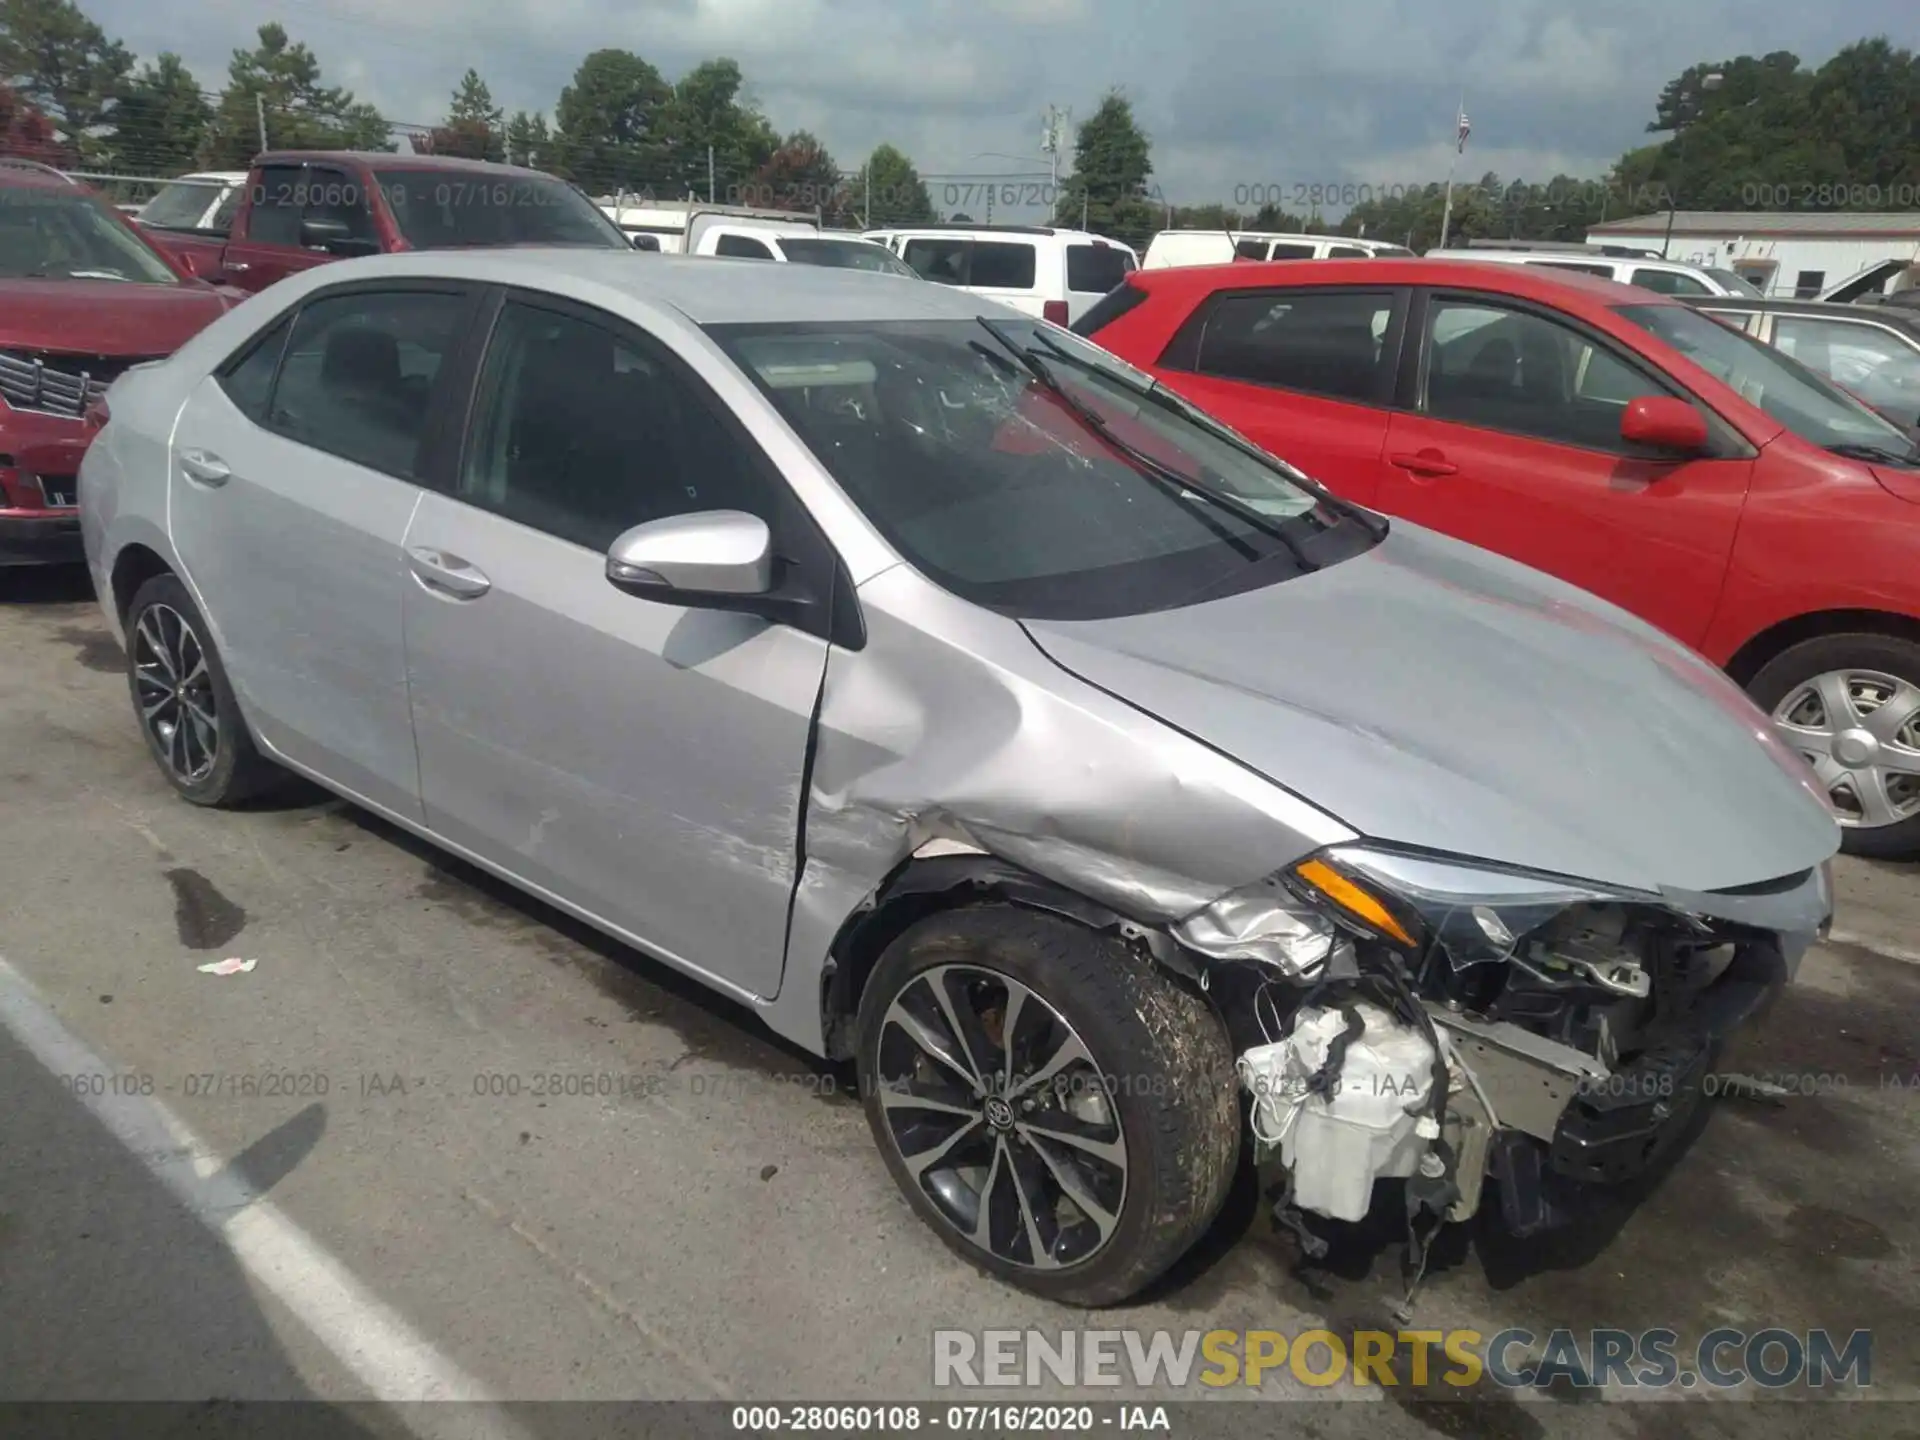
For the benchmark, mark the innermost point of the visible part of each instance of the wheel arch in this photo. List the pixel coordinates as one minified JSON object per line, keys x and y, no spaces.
{"x":926,"y":885}
{"x":1753,"y":656}
{"x":136,"y":564}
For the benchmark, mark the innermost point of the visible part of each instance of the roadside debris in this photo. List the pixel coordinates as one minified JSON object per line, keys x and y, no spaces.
{"x":232,"y":965}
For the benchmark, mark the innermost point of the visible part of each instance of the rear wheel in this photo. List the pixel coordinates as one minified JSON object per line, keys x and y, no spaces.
{"x":1851,"y":705}
{"x":1059,"y":1109}
{"x":185,"y":703}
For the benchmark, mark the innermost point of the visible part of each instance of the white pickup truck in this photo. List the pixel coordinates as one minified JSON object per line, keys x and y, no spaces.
{"x":740,"y":232}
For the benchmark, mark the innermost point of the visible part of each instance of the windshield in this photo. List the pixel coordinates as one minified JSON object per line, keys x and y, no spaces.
{"x":844,"y":255}
{"x":450,"y":209}
{"x":1805,"y":403}
{"x":69,"y":235}
{"x":1735,"y":284}
{"x":997,"y":489}
{"x":182,"y":204}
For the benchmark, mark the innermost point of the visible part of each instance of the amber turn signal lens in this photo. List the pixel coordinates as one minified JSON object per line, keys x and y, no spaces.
{"x":1352,"y":899}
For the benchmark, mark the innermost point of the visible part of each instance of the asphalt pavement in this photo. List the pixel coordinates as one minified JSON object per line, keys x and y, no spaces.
{"x":443,"y":1143}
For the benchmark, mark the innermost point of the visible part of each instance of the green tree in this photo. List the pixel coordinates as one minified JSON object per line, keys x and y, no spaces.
{"x":609,"y":123}
{"x":1112,"y":163}
{"x":474,"y":127}
{"x":161,"y":120}
{"x":529,"y":142}
{"x":801,"y":175}
{"x":282,"y":79}
{"x":716,"y":142}
{"x":889,"y":191}
{"x":64,"y":66}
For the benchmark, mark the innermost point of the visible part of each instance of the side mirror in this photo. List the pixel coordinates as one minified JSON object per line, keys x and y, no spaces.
{"x":335,"y":237}
{"x":1661,"y":422}
{"x":696,"y":560}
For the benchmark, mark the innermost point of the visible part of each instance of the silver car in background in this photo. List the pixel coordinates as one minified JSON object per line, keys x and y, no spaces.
{"x":939,"y":688}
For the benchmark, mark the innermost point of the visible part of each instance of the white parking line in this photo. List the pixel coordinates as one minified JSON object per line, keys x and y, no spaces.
{"x":1885,"y":949}
{"x":363,"y":1333}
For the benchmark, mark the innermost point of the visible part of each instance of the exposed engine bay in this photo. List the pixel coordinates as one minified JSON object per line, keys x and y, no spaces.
{"x":1430,"y":1023}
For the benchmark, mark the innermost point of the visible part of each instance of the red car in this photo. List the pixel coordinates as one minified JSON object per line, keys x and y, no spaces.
{"x":1615,"y":438}
{"x":83,"y":296}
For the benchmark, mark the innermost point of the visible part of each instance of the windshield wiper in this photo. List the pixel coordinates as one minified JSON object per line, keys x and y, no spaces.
{"x":1375,"y":525}
{"x":1873,"y":454}
{"x":1155,"y":469}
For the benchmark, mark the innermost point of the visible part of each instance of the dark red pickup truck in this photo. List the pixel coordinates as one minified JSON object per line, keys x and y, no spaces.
{"x":303,"y":208}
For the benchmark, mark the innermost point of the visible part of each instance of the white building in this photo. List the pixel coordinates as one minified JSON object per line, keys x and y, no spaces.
{"x":1785,"y":253}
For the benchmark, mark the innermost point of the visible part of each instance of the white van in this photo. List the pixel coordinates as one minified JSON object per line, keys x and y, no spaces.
{"x":1055,"y":274}
{"x":1668,"y":277}
{"x":1171,"y":248}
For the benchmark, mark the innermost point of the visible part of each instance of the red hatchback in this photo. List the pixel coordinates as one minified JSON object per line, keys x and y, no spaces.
{"x":1612,"y":437}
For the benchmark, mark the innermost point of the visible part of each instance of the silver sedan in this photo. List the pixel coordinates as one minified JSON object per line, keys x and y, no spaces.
{"x":1121,"y":802}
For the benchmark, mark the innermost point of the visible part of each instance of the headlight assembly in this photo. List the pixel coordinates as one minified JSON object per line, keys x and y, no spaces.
{"x":1476,"y":914}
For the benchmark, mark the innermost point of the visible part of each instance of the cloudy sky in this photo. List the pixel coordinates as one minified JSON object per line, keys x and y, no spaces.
{"x":1235,"y":94}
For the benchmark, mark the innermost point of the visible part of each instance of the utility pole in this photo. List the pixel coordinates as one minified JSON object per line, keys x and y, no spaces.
{"x":710,"y":185}
{"x":1055,"y":121}
{"x":260,"y":114}
{"x":1460,"y":128}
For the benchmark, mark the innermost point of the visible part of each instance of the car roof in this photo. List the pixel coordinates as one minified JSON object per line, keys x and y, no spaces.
{"x":392,"y":160}
{"x":1525,"y":282}
{"x":998,"y":232}
{"x":706,"y":289}
{"x":1901,"y":317}
{"x":30,"y":175}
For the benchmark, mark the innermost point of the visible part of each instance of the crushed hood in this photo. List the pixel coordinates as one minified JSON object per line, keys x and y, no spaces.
{"x":104,"y":317}
{"x":1430,"y":694}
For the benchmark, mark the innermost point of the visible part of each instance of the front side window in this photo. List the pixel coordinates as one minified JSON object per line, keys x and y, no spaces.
{"x":279,"y":199}
{"x":1804,"y":402}
{"x":842,"y":254}
{"x":1518,"y":372}
{"x":742,"y":247}
{"x":985,"y":264}
{"x":1668,"y":282}
{"x":48,"y":234}
{"x":462,"y":209}
{"x":996,"y":488}
{"x":338,"y":201}
{"x":581,"y":432}
{"x":1872,"y":363}
{"x":1323,"y":342}
{"x":358,"y":375}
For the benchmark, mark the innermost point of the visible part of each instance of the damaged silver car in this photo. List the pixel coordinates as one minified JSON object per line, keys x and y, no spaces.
{"x":973,"y":709}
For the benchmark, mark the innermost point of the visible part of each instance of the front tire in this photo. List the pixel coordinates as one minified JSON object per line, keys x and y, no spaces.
{"x":1056,"y":1106}
{"x":185,"y":704}
{"x":1851,"y":705}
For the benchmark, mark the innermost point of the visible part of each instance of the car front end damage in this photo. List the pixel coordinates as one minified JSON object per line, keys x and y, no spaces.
{"x":1432,"y":1020}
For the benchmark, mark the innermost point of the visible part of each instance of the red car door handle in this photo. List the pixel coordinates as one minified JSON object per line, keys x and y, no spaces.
{"x":1425,"y":462}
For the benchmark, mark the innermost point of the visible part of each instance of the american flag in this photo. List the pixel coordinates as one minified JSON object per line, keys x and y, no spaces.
{"x":1464,"y":130}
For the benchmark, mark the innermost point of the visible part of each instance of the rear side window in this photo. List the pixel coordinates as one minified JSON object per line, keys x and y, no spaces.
{"x":359,"y":373}
{"x":1096,"y":269}
{"x":1109,"y":308}
{"x":743,"y":247}
{"x":1323,"y":342}
{"x":248,"y":376}
{"x":990,"y":264}
{"x":1349,"y":252}
{"x":1284,"y":250}
{"x":1669,"y":282}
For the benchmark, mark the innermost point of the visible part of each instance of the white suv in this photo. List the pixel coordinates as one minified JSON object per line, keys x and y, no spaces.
{"x":1055,"y":274}
{"x":1172,"y":248}
{"x":1668,"y":277}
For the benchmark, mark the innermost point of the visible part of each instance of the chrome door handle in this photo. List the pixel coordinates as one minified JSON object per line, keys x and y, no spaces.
{"x":237,"y":265}
{"x":449,"y":574}
{"x":205,"y":467}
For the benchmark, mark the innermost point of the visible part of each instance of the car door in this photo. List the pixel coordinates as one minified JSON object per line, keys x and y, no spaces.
{"x":293,"y":478}
{"x":1513,"y":443}
{"x":268,"y":247}
{"x":1875,"y":362}
{"x":640,"y":762}
{"x":1304,"y":372}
